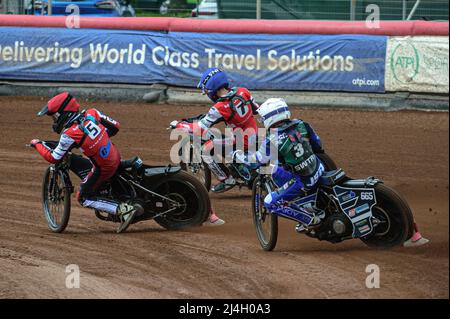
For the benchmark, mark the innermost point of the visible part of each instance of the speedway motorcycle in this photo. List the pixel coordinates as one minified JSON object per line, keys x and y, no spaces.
{"x":171,"y":197}
{"x":364,"y":209}
{"x":194,"y":164}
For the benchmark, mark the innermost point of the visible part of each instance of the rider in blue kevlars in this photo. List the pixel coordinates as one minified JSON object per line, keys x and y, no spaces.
{"x":298,"y":168}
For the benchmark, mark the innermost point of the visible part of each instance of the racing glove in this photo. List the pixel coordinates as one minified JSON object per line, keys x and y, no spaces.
{"x":248,"y":160}
{"x":34,"y":142}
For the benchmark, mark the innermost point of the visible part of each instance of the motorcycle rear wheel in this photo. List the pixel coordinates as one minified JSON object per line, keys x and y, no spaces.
{"x":397,"y":223}
{"x":189,"y":192}
{"x":199,"y":170}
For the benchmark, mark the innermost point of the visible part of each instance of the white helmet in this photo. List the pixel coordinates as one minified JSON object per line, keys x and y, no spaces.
{"x":274,"y":110}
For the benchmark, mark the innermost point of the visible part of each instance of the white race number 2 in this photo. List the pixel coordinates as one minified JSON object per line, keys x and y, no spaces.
{"x":242,"y":109}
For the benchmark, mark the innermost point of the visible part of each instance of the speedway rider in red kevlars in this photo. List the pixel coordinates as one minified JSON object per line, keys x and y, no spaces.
{"x":90,"y":131}
{"x":234,"y":106}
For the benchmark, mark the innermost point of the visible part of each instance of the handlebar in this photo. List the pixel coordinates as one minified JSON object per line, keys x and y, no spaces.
{"x":189,"y":120}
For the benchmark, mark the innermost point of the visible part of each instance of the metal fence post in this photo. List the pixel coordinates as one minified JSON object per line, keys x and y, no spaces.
{"x":413,"y":10}
{"x":404,"y":10}
{"x":258,"y":9}
{"x":352,"y":10}
{"x":49,"y":10}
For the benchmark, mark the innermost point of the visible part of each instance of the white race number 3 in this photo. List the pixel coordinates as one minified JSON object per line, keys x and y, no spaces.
{"x":299,"y":151}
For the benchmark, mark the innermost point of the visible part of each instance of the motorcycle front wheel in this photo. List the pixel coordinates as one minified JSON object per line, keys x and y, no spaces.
{"x":266,"y":224}
{"x":55,"y":200}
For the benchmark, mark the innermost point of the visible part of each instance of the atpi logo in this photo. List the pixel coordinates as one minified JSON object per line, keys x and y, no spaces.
{"x":405,"y":62}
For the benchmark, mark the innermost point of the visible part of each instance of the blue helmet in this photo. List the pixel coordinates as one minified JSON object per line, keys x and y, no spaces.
{"x":213,"y":80}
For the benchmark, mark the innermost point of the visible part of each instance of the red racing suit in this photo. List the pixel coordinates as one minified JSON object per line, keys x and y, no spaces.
{"x":237,"y":110}
{"x":90,"y":132}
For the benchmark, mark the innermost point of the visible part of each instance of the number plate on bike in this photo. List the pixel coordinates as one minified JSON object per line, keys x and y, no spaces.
{"x":357,"y":204}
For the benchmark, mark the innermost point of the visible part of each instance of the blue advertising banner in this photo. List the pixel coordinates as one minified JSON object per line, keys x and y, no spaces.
{"x":270,"y":62}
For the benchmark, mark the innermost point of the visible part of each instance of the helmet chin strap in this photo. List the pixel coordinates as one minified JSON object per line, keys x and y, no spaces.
{"x":66,"y":119}
{"x":227,"y":95}
{"x":75,"y":116}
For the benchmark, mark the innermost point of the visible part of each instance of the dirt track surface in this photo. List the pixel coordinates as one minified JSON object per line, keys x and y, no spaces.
{"x":408,"y":150}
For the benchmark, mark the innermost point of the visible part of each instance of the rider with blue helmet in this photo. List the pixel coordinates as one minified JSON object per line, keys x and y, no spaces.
{"x":212,"y":81}
{"x":235,"y":107}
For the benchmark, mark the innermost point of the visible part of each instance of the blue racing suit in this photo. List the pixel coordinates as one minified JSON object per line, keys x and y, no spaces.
{"x":297,"y":169}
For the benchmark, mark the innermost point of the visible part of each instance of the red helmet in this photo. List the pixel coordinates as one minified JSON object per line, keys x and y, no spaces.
{"x":63,"y":108}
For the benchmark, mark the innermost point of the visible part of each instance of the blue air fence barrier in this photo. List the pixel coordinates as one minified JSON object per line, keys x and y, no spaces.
{"x":259,"y":61}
